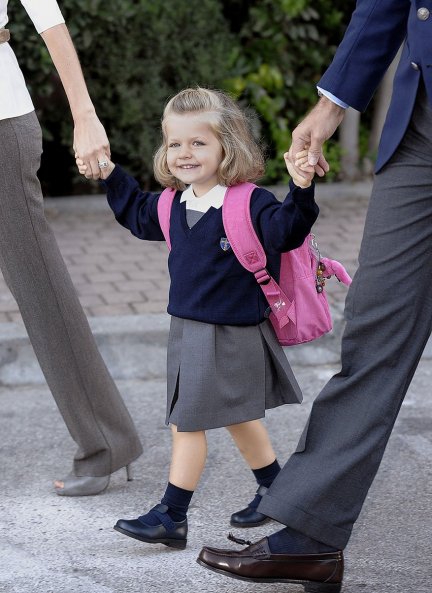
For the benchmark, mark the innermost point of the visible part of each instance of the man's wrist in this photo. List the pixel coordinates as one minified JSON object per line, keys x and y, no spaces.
{"x":325,"y":93}
{"x":329,"y":115}
{"x":330,"y":106}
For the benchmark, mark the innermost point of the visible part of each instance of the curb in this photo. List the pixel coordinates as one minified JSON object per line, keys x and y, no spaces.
{"x":134,"y":347}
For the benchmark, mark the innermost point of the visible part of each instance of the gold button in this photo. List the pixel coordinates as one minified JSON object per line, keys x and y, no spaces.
{"x":415,"y":66}
{"x":423,"y":14}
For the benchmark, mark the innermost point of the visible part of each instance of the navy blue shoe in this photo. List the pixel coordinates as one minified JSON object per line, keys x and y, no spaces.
{"x":250,"y":517}
{"x":170,"y":533}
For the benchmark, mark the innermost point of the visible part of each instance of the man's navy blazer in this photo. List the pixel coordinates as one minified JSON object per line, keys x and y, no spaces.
{"x":372,"y":39}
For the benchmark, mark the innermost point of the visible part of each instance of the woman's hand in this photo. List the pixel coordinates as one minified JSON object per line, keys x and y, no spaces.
{"x":84,"y":169}
{"x":91,"y":144}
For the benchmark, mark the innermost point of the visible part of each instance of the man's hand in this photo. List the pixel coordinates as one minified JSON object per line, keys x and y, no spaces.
{"x":301,"y":162}
{"x":313,"y":131}
{"x":91,"y":144}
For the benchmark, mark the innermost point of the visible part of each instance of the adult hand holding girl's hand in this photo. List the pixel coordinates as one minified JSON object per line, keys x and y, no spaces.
{"x":91,"y":144}
{"x":104,"y":172}
{"x":301,"y":172}
{"x":316,"y":128}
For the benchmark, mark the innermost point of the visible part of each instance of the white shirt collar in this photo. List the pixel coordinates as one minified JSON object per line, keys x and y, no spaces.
{"x":213,"y":198}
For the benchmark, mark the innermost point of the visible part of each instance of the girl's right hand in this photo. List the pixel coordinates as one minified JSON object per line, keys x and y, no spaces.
{"x":303,"y":178}
{"x":104,"y":173}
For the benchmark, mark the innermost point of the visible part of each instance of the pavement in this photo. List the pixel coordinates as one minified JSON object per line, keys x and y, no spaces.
{"x":50,"y":544}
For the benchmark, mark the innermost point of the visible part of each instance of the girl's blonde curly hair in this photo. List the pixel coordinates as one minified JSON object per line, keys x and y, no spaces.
{"x":242,"y":159}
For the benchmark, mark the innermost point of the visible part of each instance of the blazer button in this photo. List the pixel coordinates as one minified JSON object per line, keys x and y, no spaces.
{"x":423,"y":14}
{"x":415,"y":66}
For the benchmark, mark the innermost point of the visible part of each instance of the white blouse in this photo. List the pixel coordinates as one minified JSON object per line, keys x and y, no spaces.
{"x":14,"y":96}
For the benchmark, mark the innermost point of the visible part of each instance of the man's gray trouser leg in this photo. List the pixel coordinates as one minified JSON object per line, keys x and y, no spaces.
{"x":32,"y":265}
{"x":322,"y":487}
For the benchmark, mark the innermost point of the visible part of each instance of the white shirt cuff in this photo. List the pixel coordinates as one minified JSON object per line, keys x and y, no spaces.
{"x":333,"y":98}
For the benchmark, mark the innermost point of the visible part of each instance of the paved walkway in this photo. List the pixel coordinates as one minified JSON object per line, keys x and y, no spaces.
{"x":50,"y":544}
{"x":116,"y":274}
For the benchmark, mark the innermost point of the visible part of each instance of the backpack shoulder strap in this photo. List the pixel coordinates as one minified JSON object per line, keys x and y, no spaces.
{"x":239,"y":229}
{"x":249,"y":251}
{"x":164,"y":212}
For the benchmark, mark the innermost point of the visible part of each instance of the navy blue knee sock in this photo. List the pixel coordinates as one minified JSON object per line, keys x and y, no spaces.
{"x":264,"y":477}
{"x":177,"y":500}
{"x":289,"y":541}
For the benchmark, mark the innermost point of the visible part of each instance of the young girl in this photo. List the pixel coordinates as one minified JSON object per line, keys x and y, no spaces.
{"x":225,"y":366}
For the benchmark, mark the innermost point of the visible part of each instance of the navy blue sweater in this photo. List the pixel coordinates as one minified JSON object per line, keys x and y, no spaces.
{"x":207,"y":283}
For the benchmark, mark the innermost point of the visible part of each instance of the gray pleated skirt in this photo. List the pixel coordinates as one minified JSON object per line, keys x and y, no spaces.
{"x":223,"y":374}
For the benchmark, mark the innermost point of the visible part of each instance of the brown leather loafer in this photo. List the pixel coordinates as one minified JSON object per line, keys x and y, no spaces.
{"x":318,"y":573}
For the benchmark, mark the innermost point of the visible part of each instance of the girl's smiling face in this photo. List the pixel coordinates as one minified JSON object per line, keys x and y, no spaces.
{"x":193,"y":151}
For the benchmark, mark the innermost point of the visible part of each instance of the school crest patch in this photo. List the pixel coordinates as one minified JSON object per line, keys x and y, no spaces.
{"x":225,"y":244}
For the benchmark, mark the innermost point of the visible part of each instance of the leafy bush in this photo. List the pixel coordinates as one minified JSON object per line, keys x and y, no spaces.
{"x":285,"y":45}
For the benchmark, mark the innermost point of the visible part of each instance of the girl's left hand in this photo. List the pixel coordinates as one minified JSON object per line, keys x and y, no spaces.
{"x":303,"y":179}
{"x":83,"y":169}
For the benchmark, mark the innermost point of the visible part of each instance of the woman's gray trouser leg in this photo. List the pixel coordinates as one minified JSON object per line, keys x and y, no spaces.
{"x":36,"y":274}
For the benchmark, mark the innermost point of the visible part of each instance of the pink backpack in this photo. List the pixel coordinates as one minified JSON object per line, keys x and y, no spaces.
{"x":299,"y":308}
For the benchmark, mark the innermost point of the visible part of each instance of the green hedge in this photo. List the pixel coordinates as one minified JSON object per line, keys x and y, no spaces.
{"x":285,"y":45}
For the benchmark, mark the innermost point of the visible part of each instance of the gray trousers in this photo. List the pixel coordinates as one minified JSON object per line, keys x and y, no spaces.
{"x":322,"y":487}
{"x":36,"y":274}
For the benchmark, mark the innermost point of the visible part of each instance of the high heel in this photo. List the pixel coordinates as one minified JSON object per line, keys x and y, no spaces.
{"x":129,"y":472}
{"x":87,"y":485}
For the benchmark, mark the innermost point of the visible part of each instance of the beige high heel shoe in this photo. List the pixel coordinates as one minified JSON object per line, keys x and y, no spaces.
{"x":87,"y":485}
